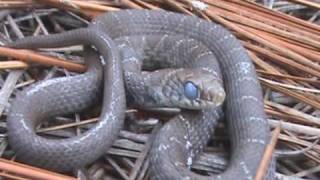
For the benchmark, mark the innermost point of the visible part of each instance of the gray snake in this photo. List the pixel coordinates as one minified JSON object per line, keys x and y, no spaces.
{"x":180,"y":140}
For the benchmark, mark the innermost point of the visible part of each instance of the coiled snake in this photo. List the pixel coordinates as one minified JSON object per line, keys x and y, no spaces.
{"x":180,"y":139}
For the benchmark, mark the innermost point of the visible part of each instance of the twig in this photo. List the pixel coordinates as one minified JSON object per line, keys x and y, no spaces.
{"x":307,"y":3}
{"x":266,"y":158}
{"x":13,"y":65}
{"x":306,"y":172}
{"x":299,"y":96}
{"x":294,"y":112}
{"x":29,"y":56}
{"x":290,"y":86}
{"x":308,"y":80}
{"x":31,"y":172}
{"x":77,"y":5}
{"x":117,"y":168}
{"x":8,"y":88}
{"x":139,"y":162}
{"x":13,"y":77}
{"x":276,"y":58}
{"x":301,"y":129}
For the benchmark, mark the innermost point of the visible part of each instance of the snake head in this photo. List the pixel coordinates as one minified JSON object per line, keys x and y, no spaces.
{"x":189,"y":89}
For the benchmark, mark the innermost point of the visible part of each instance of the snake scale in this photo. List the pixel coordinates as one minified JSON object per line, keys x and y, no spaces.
{"x":181,"y":139}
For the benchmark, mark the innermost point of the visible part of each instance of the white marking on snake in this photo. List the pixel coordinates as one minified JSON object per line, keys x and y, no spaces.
{"x":189,"y":162}
{"x":161,"y":41}
{"x":242,"y":98}
{"x":245,"y":169}
{"x":198,"y":24}
{"x":213,"y":28}
{"x":252,"y":79}
{"x":253,"y":140}
{"x":188,"y":145}
{"x":147,"y":15}
{"x":181,"y":23}
{"x":122,"y":45}
{"x":199,"y":5}
{"x":235,"y":49}
{"x":193,"y":48}
{"x":186,"y":178}
{"x":177,"y":163}
{"x":244,"y":67}
{"x":202,"y":54}
{"x":130,"y":59}
{"x":176,"y":45}
{"x":210,"y":70}
{"x":174,"y":139}
{"x":257,"y":119}
{"x":128,"y":41}
{"x":163,"y":147}
{"x":116,"y":17}
{"x":25,"y":125}
{"x":103,"y":62}
{"x":224,"y":38}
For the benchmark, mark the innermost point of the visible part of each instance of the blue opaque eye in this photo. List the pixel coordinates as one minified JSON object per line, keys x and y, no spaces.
{"x":190,"y":90}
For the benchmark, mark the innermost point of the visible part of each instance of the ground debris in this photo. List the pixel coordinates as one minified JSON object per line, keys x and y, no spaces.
{"x":284,"y":47}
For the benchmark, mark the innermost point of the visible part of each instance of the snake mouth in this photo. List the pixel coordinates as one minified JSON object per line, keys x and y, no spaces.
{"x":204,"y":104}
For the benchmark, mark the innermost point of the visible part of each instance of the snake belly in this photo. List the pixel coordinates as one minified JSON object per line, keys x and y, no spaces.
{"x":244,"y":113}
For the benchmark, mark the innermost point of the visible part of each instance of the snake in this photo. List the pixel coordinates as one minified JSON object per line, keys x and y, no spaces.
{"x":183,"y":137}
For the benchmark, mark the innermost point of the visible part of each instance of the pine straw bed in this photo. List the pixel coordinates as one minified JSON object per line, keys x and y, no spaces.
{"x":284,"y":48}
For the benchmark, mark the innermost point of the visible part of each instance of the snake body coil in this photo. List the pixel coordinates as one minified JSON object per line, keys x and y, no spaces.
{"x":180,"y":139}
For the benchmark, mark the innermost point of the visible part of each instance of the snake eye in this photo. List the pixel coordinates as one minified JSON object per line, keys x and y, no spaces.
{"x":190,"y":90}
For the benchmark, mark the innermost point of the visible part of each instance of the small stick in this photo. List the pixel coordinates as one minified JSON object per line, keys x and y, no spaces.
{"x":131,"y":4}
{"x":280,"y":115}
{"x":261,"y":26}
{"x":115,"y":165}
{"x":298,"y":141}
{"x":13,"y":65}
{"x":263,"y":41}
{"x":299,"y":96}
{"x":77,"y":5}
{"x":307,"y":3}
{"x":64,"y":126}
{"x":300,"y":129}
{"x":13,"y":77}
{"x":11,"y":176}
{"x":294,"y":112}
{"x":177,"y":7}
{"x":8,"y":88}
{"x":278,"y":59}
{"x":141,"y":159}
{"x":227,"y":5}
{"x":31,"y":172}
{"x":40,"y":23}
{"x":307,"y":172}
{"x":30,"y":56}
{"x":290,"y":86}
{"x":146,"y":5}
{"x":277,"y":16}
{"x":297,"y":78}
{"x":262,"y":169}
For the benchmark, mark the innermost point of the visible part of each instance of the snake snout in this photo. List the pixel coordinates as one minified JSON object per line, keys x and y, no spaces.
{"x":213,"y":93}
{"x":219,"y":96}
